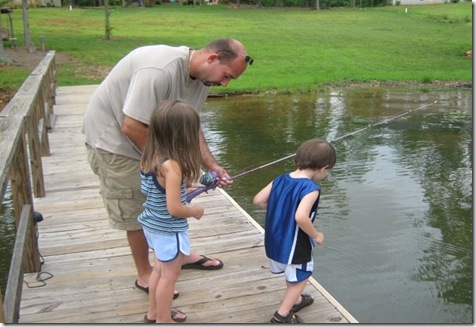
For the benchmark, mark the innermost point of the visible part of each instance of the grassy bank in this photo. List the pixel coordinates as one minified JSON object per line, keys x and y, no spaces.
{"x":294,"y":49}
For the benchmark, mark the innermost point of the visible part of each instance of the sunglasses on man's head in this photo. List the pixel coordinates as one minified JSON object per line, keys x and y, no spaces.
{"x":248,"y":59}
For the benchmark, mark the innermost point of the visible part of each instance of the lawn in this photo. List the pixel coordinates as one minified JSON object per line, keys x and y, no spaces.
{"x":294,"y":49}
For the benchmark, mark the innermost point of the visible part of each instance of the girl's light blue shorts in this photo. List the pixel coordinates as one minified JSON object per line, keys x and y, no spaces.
{"x":168,"y":247}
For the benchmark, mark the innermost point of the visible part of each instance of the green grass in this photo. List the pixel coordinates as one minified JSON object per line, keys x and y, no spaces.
{"x":294,"y":49}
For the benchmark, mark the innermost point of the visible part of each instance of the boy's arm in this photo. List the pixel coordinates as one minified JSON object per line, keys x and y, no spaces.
{"x":261,"y":199}
{"x":303,"y":220}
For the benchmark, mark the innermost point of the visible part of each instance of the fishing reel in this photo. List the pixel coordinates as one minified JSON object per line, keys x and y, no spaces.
{"x":209,"y":178}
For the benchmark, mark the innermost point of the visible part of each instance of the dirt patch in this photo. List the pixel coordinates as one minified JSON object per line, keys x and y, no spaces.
{"x":22,"y":59}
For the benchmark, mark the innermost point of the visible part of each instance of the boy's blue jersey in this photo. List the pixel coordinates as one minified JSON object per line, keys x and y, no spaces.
{"x":285,"y":242}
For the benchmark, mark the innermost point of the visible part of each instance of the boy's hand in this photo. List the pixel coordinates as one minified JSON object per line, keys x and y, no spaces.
{"x":319,"y":239}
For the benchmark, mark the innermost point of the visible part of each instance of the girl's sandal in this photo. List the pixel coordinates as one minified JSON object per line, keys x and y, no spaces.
{"x":173,"y":315}
{"x":291,"y":318}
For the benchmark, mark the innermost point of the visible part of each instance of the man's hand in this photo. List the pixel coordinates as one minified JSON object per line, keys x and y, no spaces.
{"x":225,"y":179}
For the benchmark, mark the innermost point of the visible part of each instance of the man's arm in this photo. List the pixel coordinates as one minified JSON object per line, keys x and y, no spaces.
{"x":135,"y":130}
{"x":209,"y":162}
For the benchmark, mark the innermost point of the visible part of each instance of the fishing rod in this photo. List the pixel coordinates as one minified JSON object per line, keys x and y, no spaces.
{"x":211,"y":181}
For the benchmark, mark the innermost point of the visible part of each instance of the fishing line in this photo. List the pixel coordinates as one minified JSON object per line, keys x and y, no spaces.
{"x":209,"y":179}
{"x":383,"y":121}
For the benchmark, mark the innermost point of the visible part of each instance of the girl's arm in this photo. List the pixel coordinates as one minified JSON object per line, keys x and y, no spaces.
{"x":303,"y":220}
{"x":261,"y":199}
{"x":172,"y":176}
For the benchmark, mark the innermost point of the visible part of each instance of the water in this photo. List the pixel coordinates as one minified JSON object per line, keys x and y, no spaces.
{"x":7,"y":239}
{"x":396,"y":210}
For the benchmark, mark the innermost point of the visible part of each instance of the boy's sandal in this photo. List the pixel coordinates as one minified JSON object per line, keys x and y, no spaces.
{"x":173,"y":315}
{"x":306,"y":300}
{"x":291,"y":318}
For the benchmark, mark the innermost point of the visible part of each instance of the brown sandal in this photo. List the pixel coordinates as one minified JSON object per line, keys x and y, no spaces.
{"x":173,"y":315}
{"x":306,"y":300}
{"x":291,"y":318}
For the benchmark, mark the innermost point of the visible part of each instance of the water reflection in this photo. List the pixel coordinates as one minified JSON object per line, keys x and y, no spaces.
{"x":7,"y":239}
{"x":397,"y":208}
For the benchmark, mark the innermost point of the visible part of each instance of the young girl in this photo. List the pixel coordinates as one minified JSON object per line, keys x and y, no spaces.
{"x":291,"y":200}
{"x":171,"y":160}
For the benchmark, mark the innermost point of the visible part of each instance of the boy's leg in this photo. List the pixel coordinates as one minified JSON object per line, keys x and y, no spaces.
{"x":296,"y":280}
{"x":291,"y":296}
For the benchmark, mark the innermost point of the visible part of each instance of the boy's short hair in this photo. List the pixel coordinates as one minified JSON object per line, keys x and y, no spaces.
{"x":315,"y":154}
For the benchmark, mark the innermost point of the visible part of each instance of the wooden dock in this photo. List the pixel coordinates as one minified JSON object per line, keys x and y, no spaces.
{"x":88,"y":273}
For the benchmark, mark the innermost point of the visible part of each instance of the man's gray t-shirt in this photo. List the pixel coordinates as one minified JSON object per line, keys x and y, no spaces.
{"x":134,"y":87}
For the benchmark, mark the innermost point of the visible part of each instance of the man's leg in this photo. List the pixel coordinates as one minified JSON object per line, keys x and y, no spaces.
{"x":140,"y":253}
{"x":120,"y":176}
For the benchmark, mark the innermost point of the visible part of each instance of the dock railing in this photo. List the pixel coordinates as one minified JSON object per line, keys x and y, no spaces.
{"x":24,"y":125}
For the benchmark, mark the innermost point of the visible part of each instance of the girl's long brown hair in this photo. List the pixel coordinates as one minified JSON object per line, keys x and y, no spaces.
{"x":174,"y":133}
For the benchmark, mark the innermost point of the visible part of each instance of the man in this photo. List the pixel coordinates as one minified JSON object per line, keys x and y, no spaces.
{"x":117,"y":118}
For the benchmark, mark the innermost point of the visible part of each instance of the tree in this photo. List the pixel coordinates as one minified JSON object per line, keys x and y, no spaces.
{"x":3,"y":56}
{"x":26,"y":28}
{"x":107,"y":28}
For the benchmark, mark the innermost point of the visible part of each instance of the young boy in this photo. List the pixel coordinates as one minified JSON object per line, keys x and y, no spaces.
{"x":291,"y":201}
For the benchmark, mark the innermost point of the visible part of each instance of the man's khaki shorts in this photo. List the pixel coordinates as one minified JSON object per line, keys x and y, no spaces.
{"x":119,"y":177}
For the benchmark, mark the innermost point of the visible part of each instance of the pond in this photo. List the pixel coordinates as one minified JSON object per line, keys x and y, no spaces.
{"x":396,"y":210}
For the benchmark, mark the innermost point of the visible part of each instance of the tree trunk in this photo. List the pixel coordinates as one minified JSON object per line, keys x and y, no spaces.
{"x":3,"y":56}
{"x":108,"y":28}
{"x":26,"y":28}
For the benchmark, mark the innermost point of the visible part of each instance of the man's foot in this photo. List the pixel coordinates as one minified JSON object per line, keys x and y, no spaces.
{"x":204,"y":263}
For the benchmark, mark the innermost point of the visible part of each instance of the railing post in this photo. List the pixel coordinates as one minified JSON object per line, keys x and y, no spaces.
{"x":15,"y":275}
{"x":43,"y":118}
{"x":21,"y":195}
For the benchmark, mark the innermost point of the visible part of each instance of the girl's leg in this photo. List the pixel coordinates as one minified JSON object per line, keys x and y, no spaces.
{"x":153,"y":281}
{"x":169,"y":273}
{"x":291,"y":296}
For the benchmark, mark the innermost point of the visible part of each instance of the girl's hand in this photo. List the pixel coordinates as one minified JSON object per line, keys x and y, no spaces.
{"x":198,"y":211}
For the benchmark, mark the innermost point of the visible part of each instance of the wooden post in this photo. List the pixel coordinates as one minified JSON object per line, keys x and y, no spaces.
{"x":21,"y":195}
{"x":15,"y":275}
